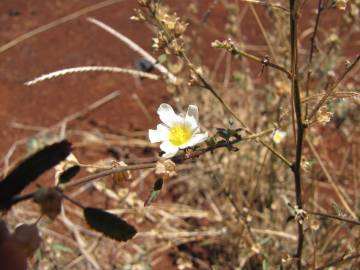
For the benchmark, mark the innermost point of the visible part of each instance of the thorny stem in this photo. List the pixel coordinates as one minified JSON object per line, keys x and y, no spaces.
{"x":300,"y":128}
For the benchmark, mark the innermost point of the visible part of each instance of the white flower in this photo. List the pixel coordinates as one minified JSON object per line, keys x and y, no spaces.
{"x":177,"y":132}
{"x":278,"y":136}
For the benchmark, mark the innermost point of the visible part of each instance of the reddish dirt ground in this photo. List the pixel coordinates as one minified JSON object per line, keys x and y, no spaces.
{"x":75,"y":43}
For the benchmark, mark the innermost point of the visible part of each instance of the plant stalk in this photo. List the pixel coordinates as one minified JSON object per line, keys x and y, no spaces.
{"x":300,"y":127}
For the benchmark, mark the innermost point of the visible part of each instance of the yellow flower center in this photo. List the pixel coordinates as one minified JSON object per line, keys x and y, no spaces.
{"x":179,"y":135}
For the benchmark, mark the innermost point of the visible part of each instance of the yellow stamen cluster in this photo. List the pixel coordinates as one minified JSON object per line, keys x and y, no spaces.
{"x":179,"y":134}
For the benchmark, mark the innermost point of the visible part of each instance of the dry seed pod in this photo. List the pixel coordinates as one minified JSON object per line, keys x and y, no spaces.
{"x":166,"y":169}
{"x":50,"y":201}
{"x":121,"y":176}
{"x":324,"y":116}
{"x":28,"y":238}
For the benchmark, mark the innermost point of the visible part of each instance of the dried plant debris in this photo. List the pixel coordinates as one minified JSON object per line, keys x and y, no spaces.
{"x":109,"y":224}
{"x":30,"y":169}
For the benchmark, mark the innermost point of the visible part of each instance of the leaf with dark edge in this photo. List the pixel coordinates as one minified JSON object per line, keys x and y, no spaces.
{"x":30,"y":169}
{"x":109,"y":224}
{"x":68,"y":174}
{"x":155,"y":192}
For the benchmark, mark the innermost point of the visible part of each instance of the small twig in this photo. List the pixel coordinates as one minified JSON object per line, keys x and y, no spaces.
{"x":265,"y":61}
{"x":330,"y":179}
{"x":81,"y":243}
{"x":263,"y":31}
{"x":352,"y":221}
{"x":338,"y":261}
{"x":267,"y":4}
{"x":312,"y":49}
{"x":95,"y":176}
{"x":208,"y":11}
{"x":333,"y":88}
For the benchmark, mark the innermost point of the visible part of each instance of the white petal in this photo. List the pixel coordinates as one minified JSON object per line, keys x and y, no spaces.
{"x":192,"y":123}
{"x":169,"y":149}
{"x":278,"y":136}
{"x":195,"y":139}
{"x":160,"y":134}
{"x":193,"y":111}
{"x":192,"y":118}
{"x":168,"y":116}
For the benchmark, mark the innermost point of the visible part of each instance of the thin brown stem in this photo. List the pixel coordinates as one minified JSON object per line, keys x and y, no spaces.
{"x":341,"y":260}
{"x":324,"y":215}
{"x":337,"y":190}
{"x":311,"y":53}
{"x":300,"y":128}
{"x":265,"y":61}
{"x":333,"y":88}
{"x":95,"y":176}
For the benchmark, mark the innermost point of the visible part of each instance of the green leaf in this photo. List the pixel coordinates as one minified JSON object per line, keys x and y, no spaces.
{"x":155,"y":192}
{"x":265,"y":265}
{"x":339,"y":212}
{"x":109,"y":224}
{"x":62,"y":248}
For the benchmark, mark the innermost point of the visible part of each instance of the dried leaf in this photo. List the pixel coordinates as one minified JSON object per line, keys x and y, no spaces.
{"x":30,"y":169}
{"x":11,"y":256}
{"x":28,"y":238}
{"x":50,"y":201}
{"x":4,"y":231}
{"x":109,"y":224}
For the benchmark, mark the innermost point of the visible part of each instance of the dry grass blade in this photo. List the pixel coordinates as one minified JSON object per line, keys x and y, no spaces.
{"x":84,"y":69}
{"x":135,"y":47}
{"x":331,"y":180}
{"x":55,"y":23}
